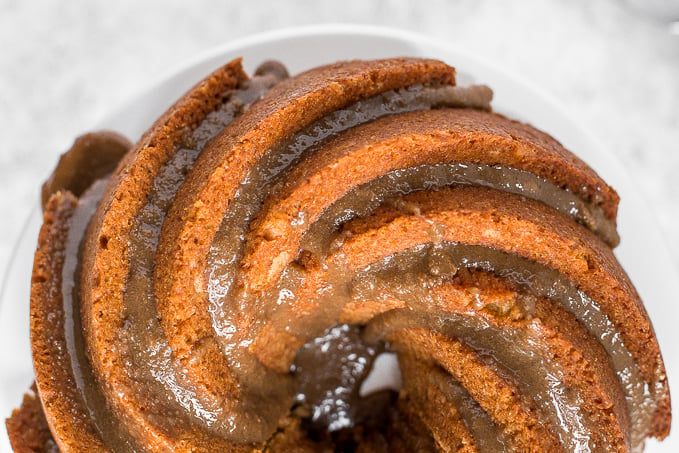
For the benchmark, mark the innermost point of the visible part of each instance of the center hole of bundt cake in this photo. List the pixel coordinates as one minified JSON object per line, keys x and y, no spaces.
{"x":344,"y":384}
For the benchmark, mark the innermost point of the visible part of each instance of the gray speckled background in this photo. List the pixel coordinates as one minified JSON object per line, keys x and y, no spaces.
{"x":64,"y":64}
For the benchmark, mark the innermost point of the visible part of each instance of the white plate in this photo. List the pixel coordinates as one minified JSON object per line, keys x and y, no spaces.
{"x":642,"y":251}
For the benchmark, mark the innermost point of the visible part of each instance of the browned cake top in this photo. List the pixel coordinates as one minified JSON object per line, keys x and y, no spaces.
{"x":270,"y":237}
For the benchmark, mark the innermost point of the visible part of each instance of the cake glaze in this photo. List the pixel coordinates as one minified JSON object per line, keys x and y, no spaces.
{"x":265,"y":226}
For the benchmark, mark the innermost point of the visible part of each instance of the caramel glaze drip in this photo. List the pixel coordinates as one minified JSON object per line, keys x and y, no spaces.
{"x":242,"y":359}
{"x":330,"y":369}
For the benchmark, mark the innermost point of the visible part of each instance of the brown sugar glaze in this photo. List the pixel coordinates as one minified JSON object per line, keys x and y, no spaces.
{"x":236,"y":359}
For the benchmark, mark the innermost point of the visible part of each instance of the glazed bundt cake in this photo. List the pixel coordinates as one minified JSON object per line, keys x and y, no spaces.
{"x":234,"y":281}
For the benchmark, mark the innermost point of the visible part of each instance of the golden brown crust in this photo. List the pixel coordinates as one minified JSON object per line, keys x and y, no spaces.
{"x":27,"y":428}
{"x":106,"y":251}
{"x":566,"y":342}
{"x":525,"y":228}
{"x":287,"y":108}
{"x":581,"y":358}
{"x":65,"y":409}
{"x":323,"y":292}
{"x":397,"y":142}
{"x":92,"y":156}
{"x":467,"y":136}
{"x":499,"y":397}
{"x":422,"y":385}
{"x":199,"y":206}
{"x":529,"y":229}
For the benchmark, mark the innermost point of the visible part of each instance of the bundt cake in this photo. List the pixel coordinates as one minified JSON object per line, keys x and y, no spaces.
{"x":231,"y":283}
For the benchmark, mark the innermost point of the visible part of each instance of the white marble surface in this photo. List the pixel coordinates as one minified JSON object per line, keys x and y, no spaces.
{"x":65,"y":64}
